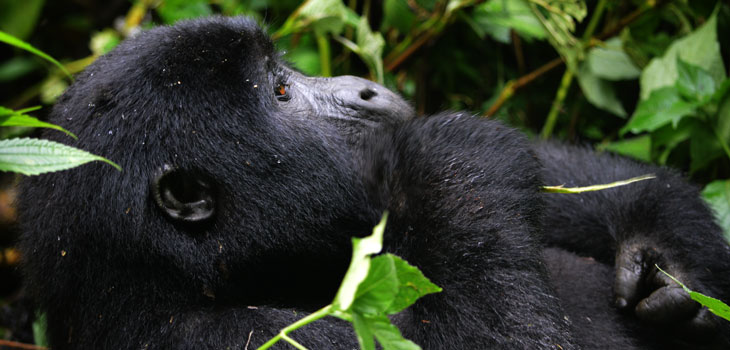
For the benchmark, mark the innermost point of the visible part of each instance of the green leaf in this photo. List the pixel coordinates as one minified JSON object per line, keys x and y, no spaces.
{"x":172,"y":11}
{"x":558,"y":17}
{"x":16,"y":67}
{"x":694,"y":83}
{"x":323,"y":16}
{"x":704,"y":146}
{"x":664,"y":106}
{"x":637,"y":147}
{"x":667,"y":138}
{"x":362,"y":248}
{"x":599,"y":92}
{"x":715,"y":306}
{"x":375,"y":294}
{"x":40,"y":330}
{"x":369,"y":47}
{"x":610,"y":62}
{"x":8,"y":117}
{"x":363,"y":331}
{"x":389,"y":337}
{"x":498,"y":17}
{"x":104,"y":41}
{"x":699,"y":48}
{"x":386,"y":333}
{"x":11,"y":40}
{"x":412,"y":284}
{"x":717,"y":195}
{"x":33,"y":156}
{"x":397,"y":14}
{"x":19,"y":17}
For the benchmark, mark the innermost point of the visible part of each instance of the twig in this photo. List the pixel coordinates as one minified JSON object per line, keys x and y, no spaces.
{"x":16,"y":345}
{"x":511,"y":88}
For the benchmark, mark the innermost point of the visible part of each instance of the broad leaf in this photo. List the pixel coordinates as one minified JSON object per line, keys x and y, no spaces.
{"x":387,"y":334}
{"x":498,"y":17}
{"x":611,"y":62}
{"x":599,"y":92}
{"x":33,"y":156}
{"x":694,"y":83}
{"x":362,"y":248}
{"x":637,"y":147}
{"x":717,"y":195}
{"x":699,"y":48}
{"x":664,"y":106}
{"x":375,"y":294}
{"x":412,"y":284}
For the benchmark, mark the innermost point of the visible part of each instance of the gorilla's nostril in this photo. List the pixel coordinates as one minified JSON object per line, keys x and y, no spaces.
{"x":368,"y":93}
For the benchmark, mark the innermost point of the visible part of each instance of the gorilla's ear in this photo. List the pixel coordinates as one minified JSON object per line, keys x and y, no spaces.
{"x":184,"y":196}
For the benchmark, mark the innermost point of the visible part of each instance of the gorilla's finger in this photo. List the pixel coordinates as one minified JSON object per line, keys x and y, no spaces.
{"x":667,"y":304}
{"x":629,"y":273}
{"x":701,"y":326}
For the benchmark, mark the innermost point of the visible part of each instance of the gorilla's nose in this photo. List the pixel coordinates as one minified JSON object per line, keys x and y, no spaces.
{"x":370,"y":98}
{"x":368,"y":93}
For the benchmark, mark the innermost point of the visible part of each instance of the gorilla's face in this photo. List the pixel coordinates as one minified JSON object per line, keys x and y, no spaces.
{"x":230,"y":157}
{"x":353,"y":104}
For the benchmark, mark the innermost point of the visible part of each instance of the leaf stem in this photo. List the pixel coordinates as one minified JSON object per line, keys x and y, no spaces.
{"x":324,"y":54}
{"x":552,"y":117}
{"x":321,"y":313}
{"x":567,"y":80}
{"x":722,"y":142}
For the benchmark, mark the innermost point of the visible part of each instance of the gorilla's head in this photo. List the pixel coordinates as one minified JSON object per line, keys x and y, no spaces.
{"x":230,"y":157}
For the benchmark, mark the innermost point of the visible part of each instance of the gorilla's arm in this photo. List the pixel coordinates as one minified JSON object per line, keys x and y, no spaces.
{"x":660,"y":221}
{"x":463,"y":199}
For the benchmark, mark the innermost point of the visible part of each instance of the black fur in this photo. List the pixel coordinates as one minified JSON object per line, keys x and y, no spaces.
{"x":291,"y":182}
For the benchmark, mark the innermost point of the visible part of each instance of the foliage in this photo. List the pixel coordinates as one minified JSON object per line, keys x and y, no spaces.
{"x":651,"y":74}
{"x":32,"y":156}
{"x":372,"y":289}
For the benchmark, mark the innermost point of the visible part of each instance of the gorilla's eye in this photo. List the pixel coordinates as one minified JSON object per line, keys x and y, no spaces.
{"x":281,"y":92}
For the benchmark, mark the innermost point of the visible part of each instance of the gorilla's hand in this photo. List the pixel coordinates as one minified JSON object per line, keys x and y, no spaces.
{"x":652,"y":295}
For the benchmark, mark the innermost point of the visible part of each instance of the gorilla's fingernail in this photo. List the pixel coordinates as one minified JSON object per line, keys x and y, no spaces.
{"x":621,"y":303}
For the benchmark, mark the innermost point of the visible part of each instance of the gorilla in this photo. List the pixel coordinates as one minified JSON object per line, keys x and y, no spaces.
{"x":244,"y":180}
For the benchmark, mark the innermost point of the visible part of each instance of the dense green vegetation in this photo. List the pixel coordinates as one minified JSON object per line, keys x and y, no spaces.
{"x":644,"y":78}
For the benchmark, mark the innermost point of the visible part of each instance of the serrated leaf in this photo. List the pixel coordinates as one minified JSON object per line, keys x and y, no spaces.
{"x":33,"y":156}
{"x":11,"y":40}
{"x":363,"y":332}
{"x":717,"y":195}
{"x":376,"y":292}
{"x":694,"y":83}
{"x":699,"y":48}
{"x":412,"y":285}
{"x":362,"y":248}
{"x":389,"y":337}
{"x":8,"y":117}
{"x":664,"y":106}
